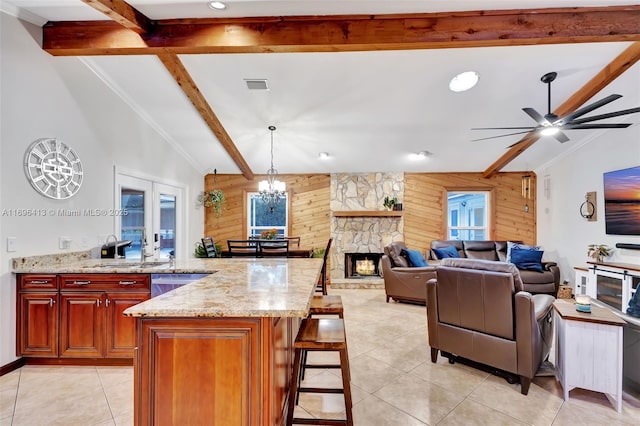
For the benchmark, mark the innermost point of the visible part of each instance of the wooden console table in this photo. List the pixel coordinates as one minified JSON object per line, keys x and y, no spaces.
{"x":589,"y":350}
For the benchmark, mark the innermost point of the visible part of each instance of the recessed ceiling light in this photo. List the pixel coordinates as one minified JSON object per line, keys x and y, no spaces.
{"x":323,"y":156}
{"x":256,"y":84}
{"x":217,"y":5}
{"x":464,"y":81}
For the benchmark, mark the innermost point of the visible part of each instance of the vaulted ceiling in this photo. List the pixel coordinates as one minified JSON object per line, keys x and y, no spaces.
{"x":365,"y":81}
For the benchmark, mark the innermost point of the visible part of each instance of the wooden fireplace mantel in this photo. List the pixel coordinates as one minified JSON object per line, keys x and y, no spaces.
{"x":367,"y":213}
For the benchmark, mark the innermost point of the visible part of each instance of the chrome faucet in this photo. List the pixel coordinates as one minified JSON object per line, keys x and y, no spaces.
{"x":115,"y":244}
{"x":143,"y":246}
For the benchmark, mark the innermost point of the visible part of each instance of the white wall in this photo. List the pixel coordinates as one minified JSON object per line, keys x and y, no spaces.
{"x":562,"y":232}
{"x":45,"y":96}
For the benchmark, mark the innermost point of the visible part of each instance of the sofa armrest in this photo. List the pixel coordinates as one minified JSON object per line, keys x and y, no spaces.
{"x":547,"y":265}
{"x":529,"y":339}
{"x":413,"y":270}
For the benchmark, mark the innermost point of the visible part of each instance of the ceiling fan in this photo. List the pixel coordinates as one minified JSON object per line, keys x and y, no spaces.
{"x":552,"y":125}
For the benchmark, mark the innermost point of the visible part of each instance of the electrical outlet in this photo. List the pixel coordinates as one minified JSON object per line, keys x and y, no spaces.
{"x":64,"y":242}
{"x":11,"y":243}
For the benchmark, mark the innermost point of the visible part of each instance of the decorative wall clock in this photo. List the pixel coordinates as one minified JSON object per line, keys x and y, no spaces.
{"x":53,"y":168}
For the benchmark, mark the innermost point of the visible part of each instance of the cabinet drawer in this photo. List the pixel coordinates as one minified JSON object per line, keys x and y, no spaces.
{"x":33,"y":281}
{"x":105,"y":282}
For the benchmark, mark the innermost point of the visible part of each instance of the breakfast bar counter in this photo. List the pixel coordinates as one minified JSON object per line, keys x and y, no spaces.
{"x":220,"y":349}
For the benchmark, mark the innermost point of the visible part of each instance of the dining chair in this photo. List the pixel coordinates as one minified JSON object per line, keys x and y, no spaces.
{"x":273,"y":247}
{"x":209,"y":246}
{"x":322,"y":281}
{"x":243,"y":248}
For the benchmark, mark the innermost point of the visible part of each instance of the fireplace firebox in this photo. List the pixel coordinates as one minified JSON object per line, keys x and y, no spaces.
{"x":362,"y":265}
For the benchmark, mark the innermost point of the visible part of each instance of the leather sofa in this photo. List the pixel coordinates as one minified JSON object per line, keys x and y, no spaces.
{"x":402,"y":282}
{"x":476,"y":310}
{"x":547,"y":281}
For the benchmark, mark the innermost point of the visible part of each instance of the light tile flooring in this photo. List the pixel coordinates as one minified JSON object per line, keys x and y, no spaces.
{"x":393,"y":383}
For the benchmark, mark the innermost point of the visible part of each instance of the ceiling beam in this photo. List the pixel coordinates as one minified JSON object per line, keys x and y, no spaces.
{"x":183,"y":78}
{"x":613,"y":70}
{"x":122,"y":13}
{"x":347,"y":33}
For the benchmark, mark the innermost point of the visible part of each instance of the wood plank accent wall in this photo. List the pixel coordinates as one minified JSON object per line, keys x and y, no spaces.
{"x":424,"y":206}
{"x":309,"y":198}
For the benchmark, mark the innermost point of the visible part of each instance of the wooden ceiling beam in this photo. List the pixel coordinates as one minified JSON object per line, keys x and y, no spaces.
{"x":122,"y":13}
{"x":347,"y":33}
{"x":613,"y":70}
{"x":183,"y":78}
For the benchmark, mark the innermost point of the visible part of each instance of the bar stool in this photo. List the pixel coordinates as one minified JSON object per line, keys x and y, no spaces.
{"x":321,"y":334}
{"x":321,"y":305}
{"x":326,"y":305}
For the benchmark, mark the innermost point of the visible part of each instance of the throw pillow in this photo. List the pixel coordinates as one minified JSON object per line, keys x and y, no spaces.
{"x":511,"y":245}
{"x":527,"y":259}
{"x":444,"y":252}
{"x":415,"y":258}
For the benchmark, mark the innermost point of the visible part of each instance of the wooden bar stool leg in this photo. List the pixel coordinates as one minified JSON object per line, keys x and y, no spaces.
{"x":293,"y":392}
{"x":346,"y":385}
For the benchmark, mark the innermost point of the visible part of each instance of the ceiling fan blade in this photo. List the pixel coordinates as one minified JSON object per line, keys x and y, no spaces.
{"x":588,"y":108}
{"x":603,"y":116}
{"x":502,"y":128}
{"x":561,"y":137}
{"x":500,"y":136}
{"x":536,"y":116}
{"x":596,"y":126}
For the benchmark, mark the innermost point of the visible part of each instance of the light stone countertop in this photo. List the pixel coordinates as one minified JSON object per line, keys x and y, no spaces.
{"x":236,"y":287}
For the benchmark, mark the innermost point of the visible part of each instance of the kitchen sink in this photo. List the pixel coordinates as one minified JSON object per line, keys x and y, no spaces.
{"x":146,"y":264}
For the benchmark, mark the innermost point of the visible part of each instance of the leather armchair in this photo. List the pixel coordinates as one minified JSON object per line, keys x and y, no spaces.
{"x":402,"y":282}
{"x":477,"y":310}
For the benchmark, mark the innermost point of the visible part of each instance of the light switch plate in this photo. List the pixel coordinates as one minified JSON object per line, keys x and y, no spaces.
{"x":11,"y":243}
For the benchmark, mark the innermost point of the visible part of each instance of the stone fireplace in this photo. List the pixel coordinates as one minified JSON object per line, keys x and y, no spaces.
{"x":359,"y":222}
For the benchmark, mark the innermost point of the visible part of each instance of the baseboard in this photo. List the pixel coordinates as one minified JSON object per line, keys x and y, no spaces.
{"x":14,"y":365}
{"x":99,"y":362}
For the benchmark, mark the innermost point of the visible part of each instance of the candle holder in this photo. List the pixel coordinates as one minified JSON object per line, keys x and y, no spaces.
{"x":583,"y":303}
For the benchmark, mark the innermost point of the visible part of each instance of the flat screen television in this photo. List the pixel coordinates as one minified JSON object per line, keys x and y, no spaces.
{"x":622,"y":201}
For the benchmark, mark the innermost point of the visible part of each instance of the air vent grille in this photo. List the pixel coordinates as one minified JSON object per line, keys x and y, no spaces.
{"x":257,"y":84}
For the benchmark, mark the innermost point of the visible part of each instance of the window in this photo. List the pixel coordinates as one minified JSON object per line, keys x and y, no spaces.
{"x":260,"y":217}
{"x":467,"y":215}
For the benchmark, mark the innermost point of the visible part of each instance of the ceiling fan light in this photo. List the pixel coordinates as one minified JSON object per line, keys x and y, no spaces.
{"x":549,"y":131}
{"x":464,"y":81}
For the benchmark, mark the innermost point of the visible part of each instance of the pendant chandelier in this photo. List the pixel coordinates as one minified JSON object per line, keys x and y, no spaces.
{"x":271,"y":190}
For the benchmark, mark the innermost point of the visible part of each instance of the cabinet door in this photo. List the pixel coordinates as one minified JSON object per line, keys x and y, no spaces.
{"x":82,"y":323}
{"x":38,"y":325}
{"x":121,"y":330}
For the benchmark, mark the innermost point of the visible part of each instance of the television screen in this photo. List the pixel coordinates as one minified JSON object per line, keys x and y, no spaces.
{"x":622,"y":201}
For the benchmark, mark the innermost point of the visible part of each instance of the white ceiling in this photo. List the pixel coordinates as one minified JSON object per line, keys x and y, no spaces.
{"x":368,"y":110}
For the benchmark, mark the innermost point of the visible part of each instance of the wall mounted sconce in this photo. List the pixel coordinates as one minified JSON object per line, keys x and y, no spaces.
{"x":526,"y":190}
{"x":588,"y":208}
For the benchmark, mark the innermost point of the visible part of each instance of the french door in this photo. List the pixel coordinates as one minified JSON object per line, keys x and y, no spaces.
{"x":154,"y":216}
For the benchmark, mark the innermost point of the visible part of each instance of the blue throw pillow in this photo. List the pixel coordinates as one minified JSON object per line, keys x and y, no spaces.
{"x":527,"y":259}
{"x":444,"y":252}
{"x":511,"y":245}
{"x":415,"y":258}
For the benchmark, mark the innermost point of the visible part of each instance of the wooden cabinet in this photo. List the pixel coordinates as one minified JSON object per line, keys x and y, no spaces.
{"x":78,"y":315}
{"x":92,"y":324}
{"x":232,"y":371}
{"x":38,"y":324}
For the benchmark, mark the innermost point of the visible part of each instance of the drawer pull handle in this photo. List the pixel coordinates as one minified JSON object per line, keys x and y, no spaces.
{"x":132,"y":282}
{"x":98,"y":302}
{"x":38,"y":281}
{"x":87,"y":282}
{"x":106,"y":303}
{"x":51,"y":302}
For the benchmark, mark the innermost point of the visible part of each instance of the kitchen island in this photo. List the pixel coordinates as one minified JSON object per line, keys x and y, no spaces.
{"x":220,"y":349}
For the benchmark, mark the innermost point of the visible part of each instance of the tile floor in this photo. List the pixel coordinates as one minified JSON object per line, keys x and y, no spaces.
{"x":393,"y":383}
